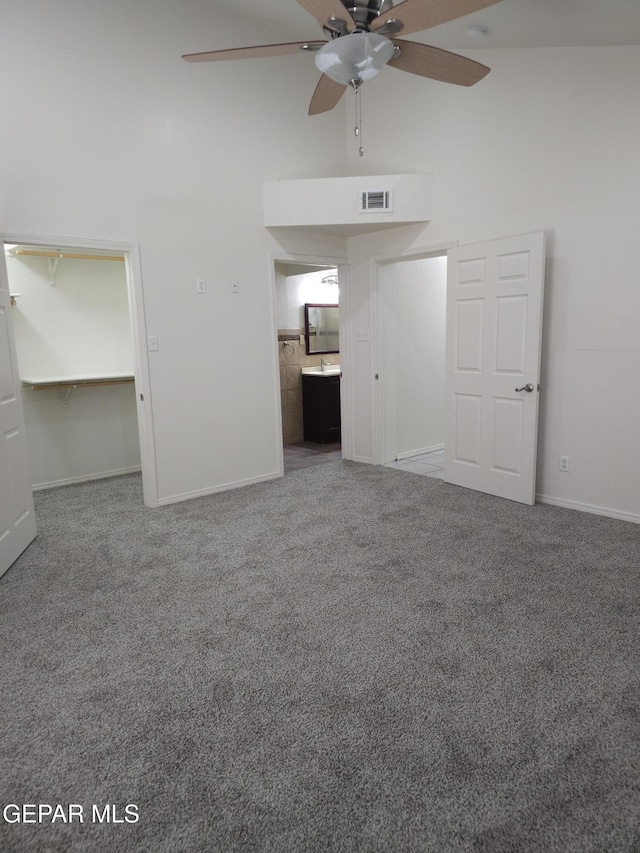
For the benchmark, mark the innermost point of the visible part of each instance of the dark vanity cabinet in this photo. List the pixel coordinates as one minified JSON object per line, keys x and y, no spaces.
{"x":321,"y":407}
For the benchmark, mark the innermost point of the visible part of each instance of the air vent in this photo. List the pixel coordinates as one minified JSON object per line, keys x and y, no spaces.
{"x":375,"y":201}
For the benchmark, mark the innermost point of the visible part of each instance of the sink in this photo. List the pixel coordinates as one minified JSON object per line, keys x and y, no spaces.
{"x":329,"y":370}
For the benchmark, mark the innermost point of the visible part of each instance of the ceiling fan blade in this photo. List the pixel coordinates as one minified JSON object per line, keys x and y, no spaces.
{"x":261,"y":50}
{"x":326,"y":95}
{"x":437,"y":64}
{"x":417,"y":15}
{"x":322,"y":10}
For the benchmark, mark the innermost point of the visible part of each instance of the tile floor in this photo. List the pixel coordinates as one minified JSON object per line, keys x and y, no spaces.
{"x":304,"y":454}
{"x":427,"y":464}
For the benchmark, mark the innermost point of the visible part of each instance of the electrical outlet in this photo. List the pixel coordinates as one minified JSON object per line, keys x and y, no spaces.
{"x":564,"y":463}
{"x":201,"y":285}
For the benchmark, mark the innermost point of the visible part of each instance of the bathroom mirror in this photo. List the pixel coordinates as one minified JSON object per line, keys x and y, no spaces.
{"x":321,"y":328}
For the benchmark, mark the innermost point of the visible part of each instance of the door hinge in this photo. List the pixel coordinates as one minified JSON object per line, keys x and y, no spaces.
{"x":142,"y":397}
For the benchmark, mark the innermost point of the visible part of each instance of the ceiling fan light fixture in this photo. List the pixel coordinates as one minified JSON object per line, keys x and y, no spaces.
{"x":354,"y":58}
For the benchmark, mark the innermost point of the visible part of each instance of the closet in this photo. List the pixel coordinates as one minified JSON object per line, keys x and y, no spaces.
{"x":74,"y":342}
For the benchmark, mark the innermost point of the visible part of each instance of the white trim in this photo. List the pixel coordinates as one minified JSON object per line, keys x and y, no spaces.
{"x":201,"y":493}
{"x":347,"y":397}
{"x":346,"y":402}
{"x":131,"y":252}
{"x":591,"y":508}
{"x":86,"y":478}
{"x":275,"y":360}
{"x":142,"y":378}
{"x":416,"y":253}
{"x":377,"y":263}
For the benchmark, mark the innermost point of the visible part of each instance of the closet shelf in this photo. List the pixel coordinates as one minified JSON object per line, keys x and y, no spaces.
{"x":67,"y":384}
{"x":75,"y":381}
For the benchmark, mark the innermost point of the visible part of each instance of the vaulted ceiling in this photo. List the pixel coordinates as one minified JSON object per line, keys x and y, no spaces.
{"x":510,"y":23}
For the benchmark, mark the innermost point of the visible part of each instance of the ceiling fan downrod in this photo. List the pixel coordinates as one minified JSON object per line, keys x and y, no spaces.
{"x":366,"y":11}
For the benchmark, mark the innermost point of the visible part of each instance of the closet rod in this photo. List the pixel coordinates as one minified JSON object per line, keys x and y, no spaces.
{"x":77,"y":255}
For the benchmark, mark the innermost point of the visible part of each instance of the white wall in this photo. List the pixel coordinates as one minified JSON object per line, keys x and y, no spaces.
{"x":78,"y":327}
{"x":115,"y":137}
{"x":294,"y":290}
{"x":548,"y":141}
{"x":413,"y":353}
{"x":96,"y":435}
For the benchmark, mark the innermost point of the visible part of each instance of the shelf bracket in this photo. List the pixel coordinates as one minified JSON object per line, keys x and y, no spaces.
{"x":53,"y":266}
{"x":66,"y":393}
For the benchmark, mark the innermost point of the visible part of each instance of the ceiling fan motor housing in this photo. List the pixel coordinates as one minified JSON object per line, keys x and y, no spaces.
{"x":364,"y":13}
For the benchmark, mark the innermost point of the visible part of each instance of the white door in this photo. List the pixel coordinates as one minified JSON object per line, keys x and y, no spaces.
{"x":494,"y":328}
{"x":17,"y":518}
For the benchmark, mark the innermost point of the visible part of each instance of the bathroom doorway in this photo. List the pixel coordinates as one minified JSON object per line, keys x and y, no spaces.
{"x":308,"y":371}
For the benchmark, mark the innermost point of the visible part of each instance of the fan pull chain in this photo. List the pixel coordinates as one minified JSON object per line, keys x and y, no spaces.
{"x":358,"y":127}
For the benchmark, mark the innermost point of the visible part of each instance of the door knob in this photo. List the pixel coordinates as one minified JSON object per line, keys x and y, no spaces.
{"x":528,"y":387}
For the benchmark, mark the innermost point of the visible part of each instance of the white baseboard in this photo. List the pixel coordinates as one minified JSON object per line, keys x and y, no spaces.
{"x":595,"y":510}
{"x":420,"y":450}
{"x":201,"y":493}
{"x":54,"y":484}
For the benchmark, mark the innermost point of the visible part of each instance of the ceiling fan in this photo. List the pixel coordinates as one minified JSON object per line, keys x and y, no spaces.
{"x":360,"y":44}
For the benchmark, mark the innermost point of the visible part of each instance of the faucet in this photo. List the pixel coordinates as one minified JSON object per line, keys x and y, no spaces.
{"x":324,"y":363}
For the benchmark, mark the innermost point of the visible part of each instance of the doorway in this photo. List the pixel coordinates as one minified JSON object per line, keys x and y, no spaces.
{"x":76,"y":316}
{"x":412,"y":341}
{"x":494,"y":298}
{"x":300,"y":359}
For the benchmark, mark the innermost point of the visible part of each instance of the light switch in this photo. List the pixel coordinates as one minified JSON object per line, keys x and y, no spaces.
{"x":362,"y":335}
{"x":152,"y":343}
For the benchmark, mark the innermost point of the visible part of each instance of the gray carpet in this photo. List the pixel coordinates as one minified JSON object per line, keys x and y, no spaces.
{"x":349,"y":659}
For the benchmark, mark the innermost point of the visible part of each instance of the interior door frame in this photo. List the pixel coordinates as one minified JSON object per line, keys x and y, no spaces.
{"x":142,"y":382}
{"x":344,"y":329}
{"x":384,"y":387}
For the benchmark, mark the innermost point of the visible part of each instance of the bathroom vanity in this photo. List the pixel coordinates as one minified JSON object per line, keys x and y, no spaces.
{"x":321,"y":404}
